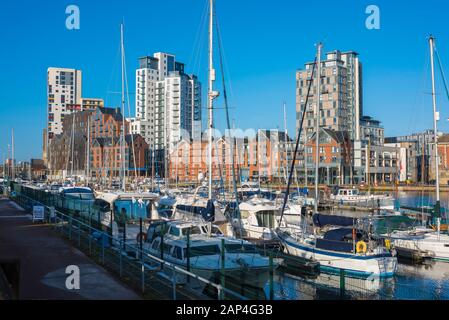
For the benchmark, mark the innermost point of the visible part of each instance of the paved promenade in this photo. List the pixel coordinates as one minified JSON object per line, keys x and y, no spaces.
{"x":44,"y":257}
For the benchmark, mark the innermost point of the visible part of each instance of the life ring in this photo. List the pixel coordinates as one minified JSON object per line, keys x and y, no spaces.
{"x":361,"y":247}
{"x":388,"y":244}
{"x":142,"y":235}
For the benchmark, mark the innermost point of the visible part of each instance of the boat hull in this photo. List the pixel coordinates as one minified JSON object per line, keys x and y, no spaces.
{"x":437,"y":248}
{"x":333,"y":262}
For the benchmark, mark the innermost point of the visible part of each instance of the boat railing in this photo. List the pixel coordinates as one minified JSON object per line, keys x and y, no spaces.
{"x":130,"y":261}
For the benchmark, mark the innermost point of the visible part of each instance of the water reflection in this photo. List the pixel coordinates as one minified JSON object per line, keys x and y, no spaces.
{"x":428,"y":281}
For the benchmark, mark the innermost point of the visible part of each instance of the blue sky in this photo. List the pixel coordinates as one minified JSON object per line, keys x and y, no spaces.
{"x":264,"y":43}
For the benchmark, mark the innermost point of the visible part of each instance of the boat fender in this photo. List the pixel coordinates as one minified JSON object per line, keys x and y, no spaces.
{"x":388,"y":244}
{"x":142,"y":235}
{"x":361,"y":247}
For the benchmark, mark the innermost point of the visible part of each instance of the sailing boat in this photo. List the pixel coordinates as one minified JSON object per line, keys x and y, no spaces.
{"x":125,"y":213}
{"x":425,"y":239}
{"x":195,"y":206}
{"x":341,"y":246}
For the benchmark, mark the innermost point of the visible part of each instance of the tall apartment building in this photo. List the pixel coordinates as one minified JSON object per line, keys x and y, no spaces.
{"x":168,"y":101}
{"x":63,"y":90}
{"x":341,"y":104}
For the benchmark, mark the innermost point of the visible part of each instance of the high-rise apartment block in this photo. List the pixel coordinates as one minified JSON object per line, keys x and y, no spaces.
{"x":63,"y":91}
{"x":168,"y":101}
{"x":341,"y":98}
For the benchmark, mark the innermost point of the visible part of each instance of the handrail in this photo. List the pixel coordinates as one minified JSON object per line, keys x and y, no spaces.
{"x":219,"y":287}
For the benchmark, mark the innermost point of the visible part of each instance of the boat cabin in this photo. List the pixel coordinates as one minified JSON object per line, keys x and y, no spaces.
{"x":348,"y":192}
{"x":118,"y":209}
{"x":180,"y":229}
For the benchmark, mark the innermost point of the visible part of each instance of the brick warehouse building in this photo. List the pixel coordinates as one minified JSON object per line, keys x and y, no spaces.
{"x":263,"y":154}
{"x":106,"y":156}
{"x":105,"y":129}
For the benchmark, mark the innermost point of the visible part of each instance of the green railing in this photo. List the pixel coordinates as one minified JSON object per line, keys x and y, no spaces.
{"x":153,"y":277}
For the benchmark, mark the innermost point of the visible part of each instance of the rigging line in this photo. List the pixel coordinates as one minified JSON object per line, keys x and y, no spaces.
{"x":198,"y":45}
{"x":292,"y":168}
{"x":129,"y":113}
{"x":228,"y":121}
{"x":226,"y":69}
{"x":198,"y":35}
{"x":112,"y":76}
{"x":441,"y":70}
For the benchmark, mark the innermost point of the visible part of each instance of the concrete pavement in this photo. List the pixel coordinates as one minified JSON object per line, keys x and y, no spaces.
{"x":44,"y":257}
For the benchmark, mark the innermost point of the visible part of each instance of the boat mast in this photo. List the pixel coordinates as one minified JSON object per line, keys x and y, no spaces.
{"x":88,"y":152}
{"x":435,"y":133}
{"x":286,"y":142}
{"x":13,"y":169}
{"x":122,"y":140}
{"x":211,"y":94}
{"x":317,"y":133}
{"x":72,"y":144}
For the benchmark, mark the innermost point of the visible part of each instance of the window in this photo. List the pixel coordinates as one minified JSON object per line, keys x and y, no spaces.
{"x":174,"y":231}
{"x":155,"y":245}
{"x":177,"y":253}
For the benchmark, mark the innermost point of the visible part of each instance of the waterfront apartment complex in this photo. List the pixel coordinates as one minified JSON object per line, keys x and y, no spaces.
{"x":168,"y":102}
{"x":341,"y":99}
{"x":63,"y":90}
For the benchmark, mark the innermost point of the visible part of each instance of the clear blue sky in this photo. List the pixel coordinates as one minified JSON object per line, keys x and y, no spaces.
{"x":264,"y":43}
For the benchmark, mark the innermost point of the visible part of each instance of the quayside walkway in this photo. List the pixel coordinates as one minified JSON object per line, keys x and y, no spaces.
{"x":44,"y":256}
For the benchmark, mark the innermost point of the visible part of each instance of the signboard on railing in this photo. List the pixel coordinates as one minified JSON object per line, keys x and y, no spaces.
{"x":38,"y":213}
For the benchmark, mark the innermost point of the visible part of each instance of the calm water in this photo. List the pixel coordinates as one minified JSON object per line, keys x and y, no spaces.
{"x":411,"y":281}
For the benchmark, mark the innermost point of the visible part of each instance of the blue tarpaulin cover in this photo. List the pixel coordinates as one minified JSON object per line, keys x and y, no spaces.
{"x":321,"y":220}
{"x":332,"y":240}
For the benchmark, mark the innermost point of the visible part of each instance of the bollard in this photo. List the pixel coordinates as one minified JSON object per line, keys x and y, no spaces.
{"x":124,"y":236}
{"x":102,"y":247}
{"x":120,"y":261}
{"x":174,"y":280}
{"x":271,"y":277}
{"x":143,"y":277}
{"x":342,"y":284}
{"x":79,"y":234}
{"x":90,"y":242}
{"x":188,"y":255}
{"x":141,"y":237}
{"x":222,"y":266}
{"x":220,"y":293}
{"x":70,"y":228}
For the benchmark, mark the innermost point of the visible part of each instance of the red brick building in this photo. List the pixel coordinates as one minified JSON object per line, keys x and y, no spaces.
{"x":334,"y":153}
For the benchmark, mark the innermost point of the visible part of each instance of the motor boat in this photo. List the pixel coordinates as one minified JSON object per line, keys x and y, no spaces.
{"x":203,"y":249}
{"x":353,"y":197}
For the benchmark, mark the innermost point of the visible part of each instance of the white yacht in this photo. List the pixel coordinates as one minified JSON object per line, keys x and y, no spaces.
{"x":257,"y":219}
{"x":341,"y":248}
{"x":435,"y":244}
{"x":120,"y":213}
{"x":353,"y":197}
{"x":427,"y":239}
{"x":203,"y":253}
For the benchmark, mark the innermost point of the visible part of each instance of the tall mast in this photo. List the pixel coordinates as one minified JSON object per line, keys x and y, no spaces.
{"x":286,"y":142}
{"x":317,"y":129}
{"x":211,"y":94}
{"x":435,"y":132}
{"x":88,"y":152}
{"x":122,"y":140}
{"x":13,"y":169}
{"x":72,"y":144}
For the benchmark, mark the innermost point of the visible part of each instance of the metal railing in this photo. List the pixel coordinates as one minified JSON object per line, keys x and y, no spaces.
{"x":153,"y":276}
